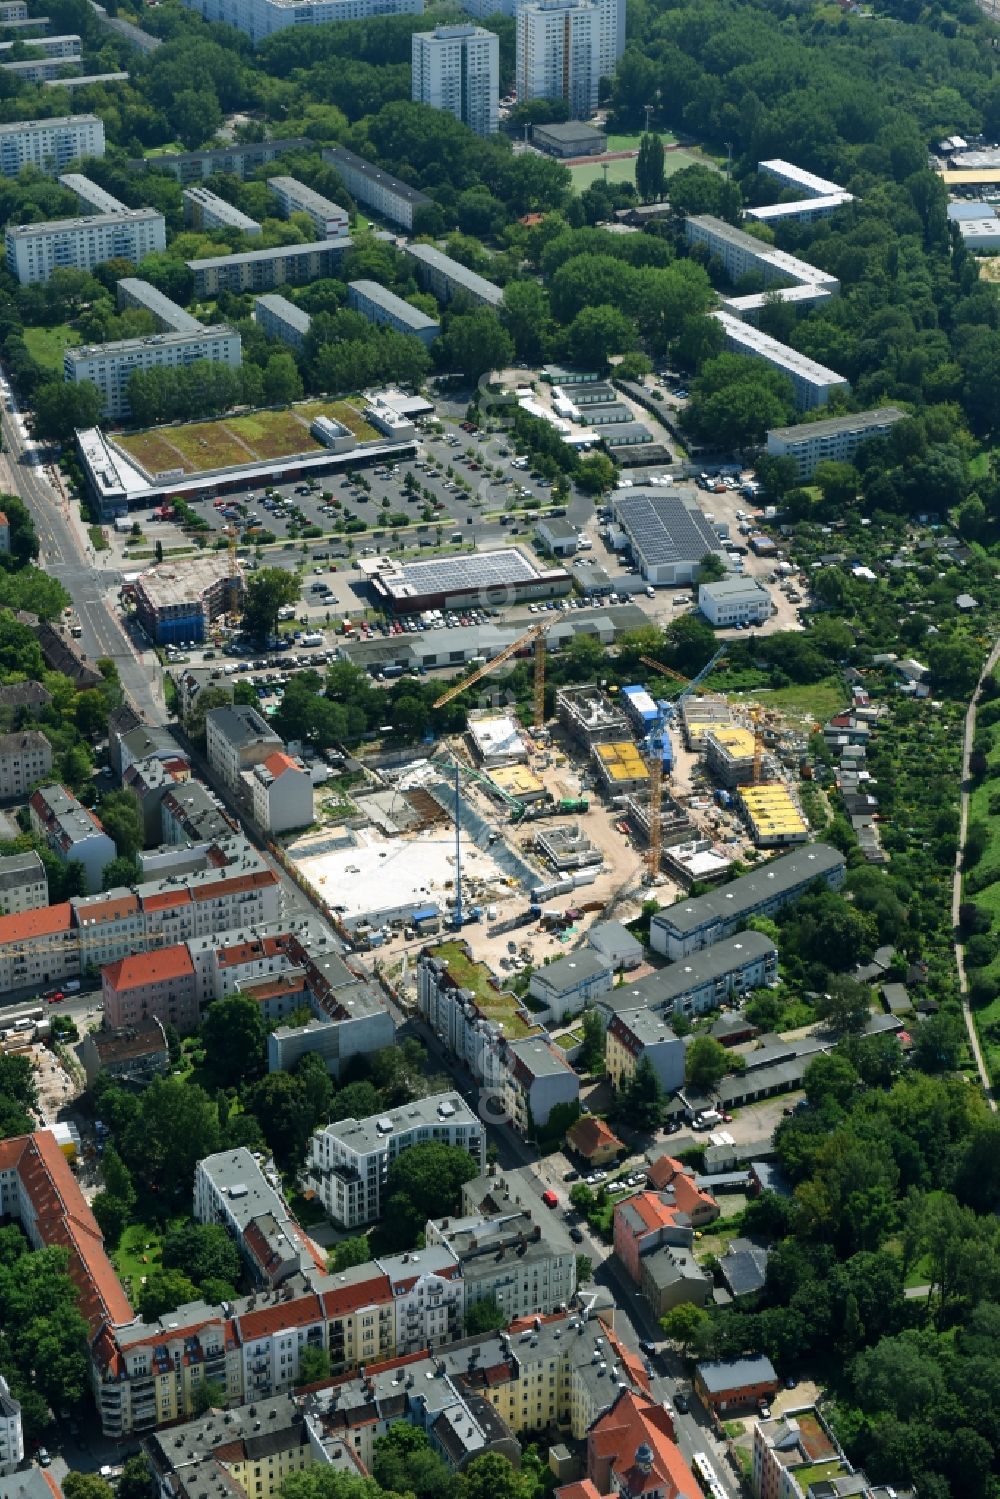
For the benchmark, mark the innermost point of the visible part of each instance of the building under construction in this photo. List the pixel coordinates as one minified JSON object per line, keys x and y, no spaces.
{"x":772,"y":815}
{"x":566,"y":846}
{"x":675,"y":824}
{"x":729,"y":754}
{"x":619,"y":767}
{"x":590,"y":717}
{"x":700,"y":714}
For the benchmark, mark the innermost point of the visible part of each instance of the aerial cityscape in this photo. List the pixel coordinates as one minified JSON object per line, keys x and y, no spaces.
{"x":499,"y":709}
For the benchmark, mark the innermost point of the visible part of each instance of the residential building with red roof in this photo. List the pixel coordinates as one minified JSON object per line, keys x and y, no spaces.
{"x":282,"y":793}
{"x":631,"y":1452}
{"x":669,"y":1177}
{"x":157,"y":985}
{"x":428,"y":1293}
{"x":594,"y":1141}
{"x":38,"y":1189}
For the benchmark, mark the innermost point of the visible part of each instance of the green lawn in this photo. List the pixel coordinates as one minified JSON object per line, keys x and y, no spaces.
{"x":47,"y":345}
{"x":132,"y":1259}
{"x":624,"y":171}
{"x":820,"y":700}
{"x":631,"y":142}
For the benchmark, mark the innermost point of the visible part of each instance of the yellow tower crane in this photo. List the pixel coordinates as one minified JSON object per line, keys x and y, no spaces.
{"x":535,"y":636}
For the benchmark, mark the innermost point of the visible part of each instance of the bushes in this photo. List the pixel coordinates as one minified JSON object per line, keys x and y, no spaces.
{"x":981,"y":949}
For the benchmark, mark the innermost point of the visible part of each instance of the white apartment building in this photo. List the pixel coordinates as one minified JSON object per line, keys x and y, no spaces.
{"x":812,"y":383}
{"x":262,"y":18}
{"x":13,"y":10}
{"x":72,"y":831}
{"x":24,"y":885}
{"x":56,"y":48}
{"x":168,"y":316}
{"x":25,"y":757}
{"x":735,"y":601}
{"x":91,"y":197}
{"x":742,"y":254}
{"x":49,"y":145}
{"x":11,"y":1431}
{"x":111,"y":366}
{"x":384,"y":194}
{"x":428,"y":1295}
{"x":237,"y":739}
{"x":282,"y":792}
{"x":379,"y":305}
{"x":350,"y":1160}
{"x":280,"y":318}
{"x":612,"y":25}
{"x":835,"y":440}
{"x":559,"y":53}
{"x":34,"y":251}
{"x":328,"y":218}
{"x":457,"y":68}
{"x":206,"y":210}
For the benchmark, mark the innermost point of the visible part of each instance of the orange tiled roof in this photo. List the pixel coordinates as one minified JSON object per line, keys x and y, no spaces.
{"x":139,"y":969}
{"x":632,"y":1422}
{"x":279,"y":762}
{"x":654,"y":1212}
{"x":300,"y":1312}
{"x":668,"y":1172}
{"x":239,"y":953}
{"x":342,"y":1300}
{"x":48,"y":921}
{"x":165,"y":899}
{"x":62,"y":1217}
{"x":113,"y":909}
{"x":239,"y":885}
{"x":590,"y":1133}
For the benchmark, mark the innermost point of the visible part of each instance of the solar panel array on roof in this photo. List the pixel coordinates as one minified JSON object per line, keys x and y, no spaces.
{"x":477,"y":570}
{"x":666,"y":528}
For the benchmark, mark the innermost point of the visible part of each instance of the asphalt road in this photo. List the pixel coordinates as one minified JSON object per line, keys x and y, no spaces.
{"x":65,"y":555}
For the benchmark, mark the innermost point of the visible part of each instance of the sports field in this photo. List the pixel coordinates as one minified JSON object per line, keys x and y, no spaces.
{"x":234,"y":440}
{"x":624,"y":170}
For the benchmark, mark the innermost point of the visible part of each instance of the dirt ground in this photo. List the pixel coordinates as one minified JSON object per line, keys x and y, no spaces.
{"x":56,"y":1088}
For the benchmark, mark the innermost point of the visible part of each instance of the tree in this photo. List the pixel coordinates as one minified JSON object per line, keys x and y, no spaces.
{"x":845,"y":1006}
{"x":491,"y":1476}
{"x":641,"y":1101}
{"x":62,"y":409}
{"x":348,"y":1253}
{"x":119,"y":815}
{"x":938,"y":1043}
{"x":830,"y":1077}
{"x":23,"y":543}
{"x":314,"y":1366}
{"x":202,"y":1252}
{"x":235,"y":1039}
{"x":584,"y":1269}
{"x":267,"y":591}
{"x":685,"y":1324}
{"x":120,"y":872}
{"x":136,"y":1480}
{"x":598,"y":332}
{"x":425,"y":1182}
{"x":595,"y":474}
{"x":282,"y":381}
{"x":281,"y":1106}
{"x":477,"y":342}
{"x":176,"y":1125}
{"x":591,"y":1058}
{"x":196,"y":116}
{"x":706,"y":1063}
{"x":209,"y":1395}
{"x":650,"y":171}
{"x":405,"y":1464}
{"x":711,"y":568}
{"x":86,"y":1486}
{"x":165,"y":1291}
{"x":484,"y":1317}
{"x":527,"y":317}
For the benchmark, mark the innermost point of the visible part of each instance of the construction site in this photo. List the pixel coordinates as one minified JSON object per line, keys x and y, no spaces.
{"x":542,"y":827}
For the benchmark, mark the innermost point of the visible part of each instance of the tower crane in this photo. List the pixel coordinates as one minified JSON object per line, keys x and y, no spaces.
{"x":536,"y":637}
{"x":653,"y":746}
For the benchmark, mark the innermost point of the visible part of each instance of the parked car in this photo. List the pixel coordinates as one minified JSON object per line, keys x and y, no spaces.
{"x":576,"y":1235}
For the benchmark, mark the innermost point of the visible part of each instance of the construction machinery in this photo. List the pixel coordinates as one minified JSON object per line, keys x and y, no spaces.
{"x":535,"y":636}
